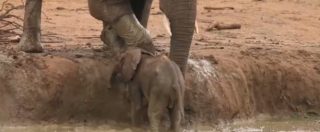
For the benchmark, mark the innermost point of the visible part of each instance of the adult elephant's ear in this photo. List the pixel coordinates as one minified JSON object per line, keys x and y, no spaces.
{"x":129,"y":63}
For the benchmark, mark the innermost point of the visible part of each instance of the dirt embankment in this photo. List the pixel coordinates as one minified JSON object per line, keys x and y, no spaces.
{"x":46,"y":87}
{"x":270,"y":65}
{"x":256,"y":81}
{"x":64,"y":88}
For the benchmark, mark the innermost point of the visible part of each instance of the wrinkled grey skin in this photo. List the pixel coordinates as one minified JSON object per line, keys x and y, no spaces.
{"x":181,"y":14}
{"x":156,"y":83}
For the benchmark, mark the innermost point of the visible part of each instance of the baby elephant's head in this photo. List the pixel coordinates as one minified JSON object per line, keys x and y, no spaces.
{"x":127,"y":64}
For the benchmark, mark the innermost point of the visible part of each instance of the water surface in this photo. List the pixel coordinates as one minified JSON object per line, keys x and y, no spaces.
{"x":251,"y":125}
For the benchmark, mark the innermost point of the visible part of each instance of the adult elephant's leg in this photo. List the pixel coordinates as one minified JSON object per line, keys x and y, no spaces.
{"x":146,"y":13}
{"x":141,"y":9}
{"x":133,"y":33}
{"x":119,"y":15}
{"x":110,"y":38}
{"x":30,"y":41}
{"x":182,"y":15}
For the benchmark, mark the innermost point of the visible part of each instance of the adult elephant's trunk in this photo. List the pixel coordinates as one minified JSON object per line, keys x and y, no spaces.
{"x":182,"y":15}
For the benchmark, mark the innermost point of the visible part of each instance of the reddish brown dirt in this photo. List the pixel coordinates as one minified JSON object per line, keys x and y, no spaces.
{"x":46,"y":87}
{"x":270,"y":65}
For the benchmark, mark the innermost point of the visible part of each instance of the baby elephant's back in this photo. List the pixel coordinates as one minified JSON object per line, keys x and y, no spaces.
{"x":159,"y":71}
{"x":160,"y":66}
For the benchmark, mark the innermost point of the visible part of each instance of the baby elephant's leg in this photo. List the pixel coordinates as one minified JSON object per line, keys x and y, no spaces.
{"x":136,"y":103}
{"x":175,"y":118}
{"x":157,"y":106}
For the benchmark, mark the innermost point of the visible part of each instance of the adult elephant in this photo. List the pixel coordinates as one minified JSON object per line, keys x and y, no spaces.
{"x":118,"y":16}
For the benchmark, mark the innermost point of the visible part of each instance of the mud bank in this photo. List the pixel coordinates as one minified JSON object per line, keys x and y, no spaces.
{"x":247,"y":85}
{"x":47,"y":87}
{"x":64,"y":88}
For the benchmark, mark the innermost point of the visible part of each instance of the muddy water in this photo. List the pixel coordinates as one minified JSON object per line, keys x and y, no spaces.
{"x":270,"y":125}
{"x":253,"y":125}
{"x":66,"y":128}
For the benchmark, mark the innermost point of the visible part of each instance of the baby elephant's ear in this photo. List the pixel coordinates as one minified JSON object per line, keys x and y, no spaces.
{"x":130,"y":61}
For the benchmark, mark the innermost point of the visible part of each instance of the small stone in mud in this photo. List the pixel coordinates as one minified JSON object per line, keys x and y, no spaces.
{"x":88,"y":44}
{"x":255,"y":48}
{"x":14,"y":39}
{"x":250,"y":38}
{"x":60,"y":8}
{"x":14,"y":57}
{"x":210,"y":28}
{"x":200,"y":39}
{"x":221,"y":26}
{"x":78,"y":56}
{"x":304,"y":53}
{"x":317,"y":68}
{"x":212,"y":59}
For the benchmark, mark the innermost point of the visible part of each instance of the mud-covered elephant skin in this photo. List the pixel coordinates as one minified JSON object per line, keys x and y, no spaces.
{"x":124,"y":21}
{"x":155,"y":83}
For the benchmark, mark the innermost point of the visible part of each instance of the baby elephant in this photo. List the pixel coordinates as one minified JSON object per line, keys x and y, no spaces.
{"x":155,"y":80}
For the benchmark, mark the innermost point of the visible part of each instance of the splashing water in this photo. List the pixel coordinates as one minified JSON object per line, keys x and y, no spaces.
{"x":203,"y":69}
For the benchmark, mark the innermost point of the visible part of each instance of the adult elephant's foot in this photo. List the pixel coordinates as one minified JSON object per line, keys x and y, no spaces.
{"x":30,"y":45}
{"x":133,"y":33}
{"x":110,"y":39}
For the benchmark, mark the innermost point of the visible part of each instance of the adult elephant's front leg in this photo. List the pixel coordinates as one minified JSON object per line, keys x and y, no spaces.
{"x":30,"y":41}
{"x":141,"y":9}
{"x":120,"y":17}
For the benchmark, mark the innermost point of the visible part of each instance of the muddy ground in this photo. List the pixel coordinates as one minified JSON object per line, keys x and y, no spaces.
{"x":271,"y":65}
